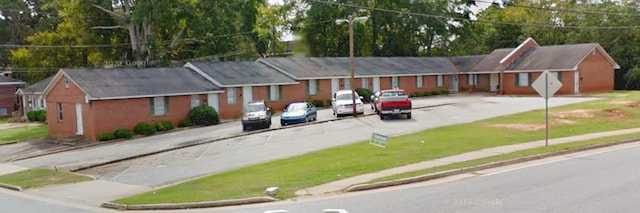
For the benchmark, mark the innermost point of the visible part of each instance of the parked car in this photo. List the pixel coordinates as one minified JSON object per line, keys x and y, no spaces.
{"x":298,"y":112}
{"x":342,"y":103}
{"x":374,"y":98}
{"x":256,"y":114}
{"x":393,"y":102}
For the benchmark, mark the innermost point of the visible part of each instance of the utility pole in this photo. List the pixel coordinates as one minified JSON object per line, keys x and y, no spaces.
{"x":350,"y":21}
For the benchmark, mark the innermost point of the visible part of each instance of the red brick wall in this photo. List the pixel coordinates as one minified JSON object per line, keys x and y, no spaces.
{"x":67,"y":97}
{"x":8,"y":97}
{"x":108,"y":115}
{"x":596,"y":73}
{"x":511,"y":88}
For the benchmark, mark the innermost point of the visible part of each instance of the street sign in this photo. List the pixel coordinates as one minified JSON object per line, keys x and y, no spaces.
{"x":546,"y":85}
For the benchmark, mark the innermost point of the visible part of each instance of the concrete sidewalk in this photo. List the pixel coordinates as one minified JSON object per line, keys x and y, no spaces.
{"x":338,"y":186}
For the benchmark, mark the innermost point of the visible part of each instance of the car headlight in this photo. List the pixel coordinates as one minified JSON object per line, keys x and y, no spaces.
{"x":245,"y":118}
{"x":262,"y":116}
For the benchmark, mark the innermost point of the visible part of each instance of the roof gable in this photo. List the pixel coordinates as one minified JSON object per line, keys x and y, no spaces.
{"x":558,"y":57}
{"x":38,"y":87}
{"x":131,"y":82}
{"x":245,"y":73}
{"x":466,"y":63}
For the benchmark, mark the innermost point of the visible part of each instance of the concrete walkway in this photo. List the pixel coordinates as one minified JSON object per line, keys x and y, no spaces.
{"x":338,"y":186}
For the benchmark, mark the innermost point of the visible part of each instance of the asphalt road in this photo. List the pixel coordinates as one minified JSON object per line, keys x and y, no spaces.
{"x":170,"y":167}
{"x":605,"y":180}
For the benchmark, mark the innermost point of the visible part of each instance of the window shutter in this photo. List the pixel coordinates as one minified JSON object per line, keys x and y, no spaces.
{"x":152,"y":107}
{"x":469,"y":79}
{"x":529,"y":76}
{"x":269,"y":93}
{"x":308,"y":86}
{"x":166,"y":105}
{"x":517,"y":78}
{"x":559,"y":76}
{"x":279,"y":92}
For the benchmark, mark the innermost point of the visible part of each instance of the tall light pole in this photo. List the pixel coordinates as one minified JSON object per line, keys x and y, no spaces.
{"x":350,"y":21}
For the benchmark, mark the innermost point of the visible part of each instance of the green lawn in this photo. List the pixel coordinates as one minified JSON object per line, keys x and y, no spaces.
{"x":291,"y":174}
{"x":4,"y":120}
{"x":23,"y":133}
{"x":38,"y":177}
{"x":508,"y":156}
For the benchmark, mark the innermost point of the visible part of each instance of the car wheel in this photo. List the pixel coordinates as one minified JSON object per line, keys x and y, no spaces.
{"x":244,"y":128}
{"x":306,"y":119}
{"x":408,"y":115}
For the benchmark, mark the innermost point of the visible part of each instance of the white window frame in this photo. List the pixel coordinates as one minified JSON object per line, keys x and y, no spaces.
{"x":558,"y":75}
{"x":160,"y":105}
{"x":59,"y":110}
{"x":365,"y":83}
{"x":473,"y":79}
{"x":439,"y":80}
{"x":419,"y":81}
{"x":347,"y":83}
{"x":275,"y":92}
{"x":195,"y":101}
{"x":231,"y":95}
{"x":523,"y":79}
{"x":312,"y":86}
{"x":4,"y":112}
{"x":395,"y":82}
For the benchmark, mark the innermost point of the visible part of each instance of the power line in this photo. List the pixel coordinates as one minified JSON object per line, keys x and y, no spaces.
{"x":470,"y":20}
{"x":566,"y":10}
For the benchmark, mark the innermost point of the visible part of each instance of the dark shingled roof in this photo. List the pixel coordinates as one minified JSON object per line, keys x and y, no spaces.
{"x":242,"y":73}
{"x":314,"y":67}
{"x":466,"y":63}
{"x":132,"y":82}
{"x":4,"y":80}
{"x":492,"y":61}
{"x":557,"y":57}
{"x":37,"y":87}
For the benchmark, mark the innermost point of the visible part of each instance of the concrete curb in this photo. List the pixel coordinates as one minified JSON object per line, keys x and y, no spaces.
{"x":422,"y":178}
{"x":205,"y":141}
{"x":174,"y":206}
{"x":9,"y":186}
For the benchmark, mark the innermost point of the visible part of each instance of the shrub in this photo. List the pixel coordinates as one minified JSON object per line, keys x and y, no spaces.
{"x":106,"y":136}
{"x":144,"y":128}
{"x":318,"y":103}
{"x":41,"y":115}
{"x":365,"y":93}
{"x":32,"y":115}
{"x":123,"y":133}
{"x":159,"y":127}
{"x":327,"y":103}
{"x":168,"y":125}
{"x":185,"y":123}
{"x":204,"y":115}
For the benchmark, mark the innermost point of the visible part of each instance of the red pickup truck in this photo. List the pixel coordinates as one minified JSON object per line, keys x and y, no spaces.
{"x":393,"y":102}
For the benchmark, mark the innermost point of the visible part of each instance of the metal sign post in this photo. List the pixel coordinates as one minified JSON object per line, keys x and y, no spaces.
{"x":546,"y":87}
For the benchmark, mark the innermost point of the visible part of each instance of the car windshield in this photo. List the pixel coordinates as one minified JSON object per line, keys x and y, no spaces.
{"x":345,"y":96}
{"x":393,"y":94}
{"x":297,"y":107}
{"x":254,"y":108}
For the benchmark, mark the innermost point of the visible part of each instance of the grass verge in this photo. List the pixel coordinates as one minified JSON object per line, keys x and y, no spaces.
{"x":23,"y":133}
{"x":508,"y":156}
{"x":290,"y":174}
{"x":39,"y":177}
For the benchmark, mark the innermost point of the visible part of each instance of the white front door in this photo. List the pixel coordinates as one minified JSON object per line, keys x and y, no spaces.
{"x":79,"y":127}
{"x":376,"y":84}
{"x":493,"y":81}
{"x":454,"y":82}
{"x":335,"y":84}
{"x":576,"y":80}
{"x":247,"y":95}
{"x":212,"y":101}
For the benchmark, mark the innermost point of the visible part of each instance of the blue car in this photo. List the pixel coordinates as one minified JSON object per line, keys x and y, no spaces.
{"x":298,"y":112}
